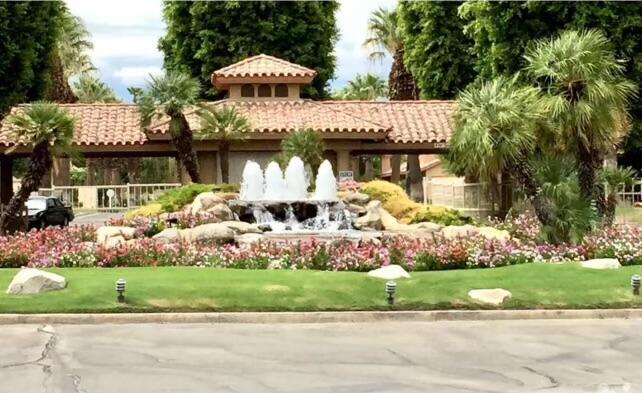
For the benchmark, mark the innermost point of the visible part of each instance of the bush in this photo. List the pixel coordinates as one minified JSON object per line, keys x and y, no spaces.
{"x":226,"y":187}
{"x":441,"y":216}
{"x":151,"y":210}
{"x":178,"y":198}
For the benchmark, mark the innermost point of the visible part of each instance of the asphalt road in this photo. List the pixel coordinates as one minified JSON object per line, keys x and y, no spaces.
{"x":500,"y":356}
{"x":94,"y":218}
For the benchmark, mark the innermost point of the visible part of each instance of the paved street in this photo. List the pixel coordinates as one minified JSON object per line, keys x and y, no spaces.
{"x":94,"y":218}
{"x":509,"y":356}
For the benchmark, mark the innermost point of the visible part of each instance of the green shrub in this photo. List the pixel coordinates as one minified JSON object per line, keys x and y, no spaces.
{"x":177,"y":198}
{"x":443,"y":217}
{"x":226,"y":187}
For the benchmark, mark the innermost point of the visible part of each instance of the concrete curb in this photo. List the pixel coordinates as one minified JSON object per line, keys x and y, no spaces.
{"x":318,"y":317}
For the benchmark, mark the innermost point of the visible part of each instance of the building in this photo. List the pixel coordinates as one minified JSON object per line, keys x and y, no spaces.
{"x":267,"y":91}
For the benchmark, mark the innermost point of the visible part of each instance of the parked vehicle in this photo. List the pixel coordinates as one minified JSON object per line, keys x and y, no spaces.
{"x":46,"y":211}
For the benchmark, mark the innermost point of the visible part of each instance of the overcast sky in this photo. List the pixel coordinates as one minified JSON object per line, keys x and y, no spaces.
{"x":125,"y":34}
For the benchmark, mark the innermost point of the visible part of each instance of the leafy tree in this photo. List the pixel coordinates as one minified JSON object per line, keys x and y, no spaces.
{"x":495,"y":132}
{"x":50,"y":130}
{"x":436,"y":49}
{"x":587,"y":98}
{"x":225,"y":125}
{"x":90,"y":89}
{"x":306,"y":144}
{"x":205,"y":36}
{"x":614,"y":178}
{"x":366,"y":87}
{"x":27,"y":40}
{"x":170,"y":95}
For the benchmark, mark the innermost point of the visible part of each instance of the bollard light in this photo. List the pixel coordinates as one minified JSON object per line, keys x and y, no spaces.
{"x":391,"y":287}
{"x":635,"y":284}
{"x":120,"y":288}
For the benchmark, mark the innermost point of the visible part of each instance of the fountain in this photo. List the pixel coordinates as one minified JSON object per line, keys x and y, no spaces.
{"x":280,"y":201}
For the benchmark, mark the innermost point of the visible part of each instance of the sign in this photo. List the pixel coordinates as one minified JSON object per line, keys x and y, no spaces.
{"x":346,"y":176}
{"x":111,"y":193}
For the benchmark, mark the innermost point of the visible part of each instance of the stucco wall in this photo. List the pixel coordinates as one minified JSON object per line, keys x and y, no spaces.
{"x":238,"y":159}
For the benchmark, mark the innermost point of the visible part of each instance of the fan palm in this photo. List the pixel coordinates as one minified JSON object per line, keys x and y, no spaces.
{"x":306,"y":144}
{"x":225,"y":125}
{"x":90,"y":89}
{"x":366,"y":87}
{"x":587,"y":98}
{"x":170,"y":95}
{"x":495,"y":132}
{"x":614,"y":178}
{"x":49,"y":129}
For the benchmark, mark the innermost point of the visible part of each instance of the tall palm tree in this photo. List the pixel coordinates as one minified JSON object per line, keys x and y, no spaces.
{"x":386,"y":36}
{"x":225,"y":125}
{"x":90,"y":90}
{"x":587,"y":97}
{"x":366,"y":87}
{"x":495,"y":132}
{"x":50,"y":130}
{"x":170,"y":95}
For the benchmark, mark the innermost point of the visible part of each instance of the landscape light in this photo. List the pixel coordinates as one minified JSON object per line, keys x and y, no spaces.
{"x":120,"y":288}
{"x":635,"y":284}
{"x":391,"y":286}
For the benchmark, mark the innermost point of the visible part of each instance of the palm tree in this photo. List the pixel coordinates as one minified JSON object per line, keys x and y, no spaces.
{"x":225,"y":125}
{"x":169,"y":95}
{"x":366,"y":87}
{"x":90,"y":89}
{"x":495,"y":133}
{"x":587,"y":97}
{"x":614,"y":178}
{"x":306,"y":144}
{"x":50,"y":130}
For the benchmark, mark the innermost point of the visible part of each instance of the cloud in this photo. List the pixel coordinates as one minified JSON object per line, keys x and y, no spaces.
{"x":136,"y":76}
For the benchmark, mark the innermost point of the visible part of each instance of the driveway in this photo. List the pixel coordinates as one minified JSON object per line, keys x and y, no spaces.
{"x":94,"y":218}
{"x":498,"y":356}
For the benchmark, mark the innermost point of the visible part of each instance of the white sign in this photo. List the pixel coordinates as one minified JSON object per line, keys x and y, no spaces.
{"x":346,"y":176}
{"x":111,"y":193}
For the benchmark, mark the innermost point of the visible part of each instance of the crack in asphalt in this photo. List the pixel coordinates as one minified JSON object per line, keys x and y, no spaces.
{"x":49,"y":346}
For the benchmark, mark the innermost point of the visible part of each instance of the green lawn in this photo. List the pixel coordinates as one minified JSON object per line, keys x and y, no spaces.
{"x":206,"y":289}
{"x":627,"y":214}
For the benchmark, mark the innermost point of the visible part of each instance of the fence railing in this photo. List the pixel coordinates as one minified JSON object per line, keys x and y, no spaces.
{"x":631,"y":193}
{"x":114,"y":197}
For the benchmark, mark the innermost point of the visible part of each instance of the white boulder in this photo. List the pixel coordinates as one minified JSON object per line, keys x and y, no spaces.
{"x":32,"y":281}
{"x":604,"y":263}
{"x":105,"y":232}
{"x":455,"y":231}
{"x":115,"y":242}
{"x":494,"y":233}
{"x":208,"y":232}
{"x":372,"y":218}
{"x":204,"y":201}
{"x":495,"y":296}
{"x":356,"y":198}
{"x":248,"y":239}
{"x":390,"y":272}
{"x":222,"y":212}
{"x":169,"y":235}
{"x":241,"y":227}
{"x":427,"y":227}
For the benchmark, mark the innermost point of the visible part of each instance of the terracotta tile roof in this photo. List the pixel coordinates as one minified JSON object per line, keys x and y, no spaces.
{"x":96,"y":124}
{"x":285,"y":116}
{"x":263,"y":65}
{"x":410,"y":121}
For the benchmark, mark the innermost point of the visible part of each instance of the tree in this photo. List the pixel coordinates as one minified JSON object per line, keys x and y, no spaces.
{"x":494,"y":133}
{"x":307,"y":145}
{"x":437,"y":52}
{"x":225,"y":125}
{"x":170,"y":95}
{"x":366,"y":87}
{"x":27,"y":39}
{"x":614,"y":178}
{"x":50,"y":130}
{"x":587,"y":98}
{"x":90,"y":89}
{"x":205,"y":36}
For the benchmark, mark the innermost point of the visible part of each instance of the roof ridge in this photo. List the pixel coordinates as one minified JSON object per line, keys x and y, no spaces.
{"x":78,"y":104}
{"x":254,"y":58}
{"x":389,"y":102}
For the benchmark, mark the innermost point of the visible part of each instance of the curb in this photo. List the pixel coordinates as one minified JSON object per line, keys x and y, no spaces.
{"x":319,"y":317}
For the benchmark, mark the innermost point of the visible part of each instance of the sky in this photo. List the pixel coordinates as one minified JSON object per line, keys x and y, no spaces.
{"x":125,"y":34}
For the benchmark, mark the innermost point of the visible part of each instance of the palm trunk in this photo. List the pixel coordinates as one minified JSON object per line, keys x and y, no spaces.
{"x":40,"y":163}
{"x":224,"y":147}
{"x":590,"y":162}
{"x":609,"y":209}
{"x":414,"y":178}
{"x":183,"y":139}
{"x":402,"y":85}
{"x":59,"y":91}
{"x":525,"y":176}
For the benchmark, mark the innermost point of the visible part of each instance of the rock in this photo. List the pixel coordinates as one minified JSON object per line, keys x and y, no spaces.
{"x":389,"y":222}
{"x":114,"y":242}
{"x":228,"y":196}
{"x":243,"y":210}
{"x":169,"y":235}
{"x":222,"y":212}
{"x":390,"y":272}
{"x":604,"y":263}
{"x":248,"y":239}
{"x":104,"y":233}
{"x":240,"y":227}
{"x":357,"y":210}
{"x":264,"y":227}
{"x":204,"y":201}
{"x":427,"y":227}
{"x":218,"y":233}
{"x":494,"y":233}
{"x":32,"y":281}
{"x":372,"y":218}
{"x":455,"y":231}
{"x":495,"y":296}
{"x":356,"y":198}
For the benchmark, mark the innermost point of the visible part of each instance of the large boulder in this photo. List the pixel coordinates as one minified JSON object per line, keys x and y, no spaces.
{"x":115,"y":242}
{"x":357,"y":210}
{"x":494,"y":233}
{"x":455,"y":231}
{"x":248,"y":239}
{"x":204,"y":201}
{"x":222,"y":212}
{"x":169,"y":235}
{"x":240,"y":227}
{"x":218,"y":233}
{"x":356,"y":198}
{"x":105,"y":232}
{"x":390,"y":272}
{"x":604,"y":263}
{"x":372,"y":219}
{"x":427,"y":227}
{"x":32,"y":281}
{"x":495,"y":296}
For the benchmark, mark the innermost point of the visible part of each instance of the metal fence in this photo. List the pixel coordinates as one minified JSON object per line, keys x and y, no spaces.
{"x":477,"y":200}
{"x":631,"y":193}
{"x":115,"y":197}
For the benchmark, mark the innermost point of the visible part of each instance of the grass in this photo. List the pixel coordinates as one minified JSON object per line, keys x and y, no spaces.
{"x":205,"y":289}
{"x":627,"y":214}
